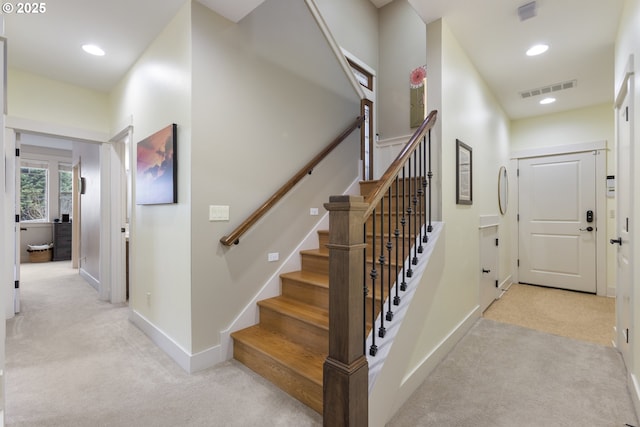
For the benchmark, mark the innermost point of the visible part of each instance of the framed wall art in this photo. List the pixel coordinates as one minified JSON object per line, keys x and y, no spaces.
{"x":156,"y":168}
{"x":464,"y":174}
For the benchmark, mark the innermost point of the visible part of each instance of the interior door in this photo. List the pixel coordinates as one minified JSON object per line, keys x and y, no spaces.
{"x":624,"y":203}
{"x":18,"y":229}
{"x":558,"y":219}
{"x":5,"y":234}
{"x":488,"y":266}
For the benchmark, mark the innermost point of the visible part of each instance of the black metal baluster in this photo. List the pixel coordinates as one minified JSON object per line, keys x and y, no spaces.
{"x":396,"y":299}
{"x":403,"y":221}
{"x":365,"y":291}
{"x":414,"y":178}
{"x":429,"y":175}
{"x":420,"y":198}
{"x":389,"y":248}
{"x":424,"y":175}
{"x":409,"y":213}
{"x":382,"y":330}
{"x":373,"y":274}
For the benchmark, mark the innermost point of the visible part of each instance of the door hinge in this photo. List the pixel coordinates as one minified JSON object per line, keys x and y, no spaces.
{"x":17,"y":152}
{"x":496,"y":283}
{"x":518,"y":217}
{"x":518,"y":263}
{"x":518,"y":172}
{"x":627,"y":225}
{"x":626,"y":114}
{"x":17,"y":218}
{"x":16,"y":284}
{"x":496,"y":242}
{"x":627,"y":335}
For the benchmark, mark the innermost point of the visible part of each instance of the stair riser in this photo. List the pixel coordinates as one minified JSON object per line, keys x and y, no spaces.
{"x":308,"y":294}
{"x":294,"y":384}
{"x":315,"y":264}
{"x":323,"y":238}
{"x":311,"y":336}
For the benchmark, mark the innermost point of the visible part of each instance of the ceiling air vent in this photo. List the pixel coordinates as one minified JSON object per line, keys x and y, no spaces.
{"x":548,"y":89}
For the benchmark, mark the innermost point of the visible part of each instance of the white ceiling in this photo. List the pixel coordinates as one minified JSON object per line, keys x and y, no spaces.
{"x":581,"y":34}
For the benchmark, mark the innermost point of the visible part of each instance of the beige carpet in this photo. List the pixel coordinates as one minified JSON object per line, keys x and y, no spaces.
{"x":569,"y":314}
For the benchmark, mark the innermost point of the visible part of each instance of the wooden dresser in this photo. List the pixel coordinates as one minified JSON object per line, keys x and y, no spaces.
{"x":61,"y":241}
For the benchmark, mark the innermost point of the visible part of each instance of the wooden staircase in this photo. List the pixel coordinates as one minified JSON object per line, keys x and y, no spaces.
{"x":290,"y":344}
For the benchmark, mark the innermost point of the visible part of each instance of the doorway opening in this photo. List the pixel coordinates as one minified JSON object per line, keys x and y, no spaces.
{"x":76,"y":210}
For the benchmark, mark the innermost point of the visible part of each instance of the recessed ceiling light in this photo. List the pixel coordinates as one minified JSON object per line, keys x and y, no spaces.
{"x":547,"y":101}
{"x":93,"y":49}
{"x":537,"y":49}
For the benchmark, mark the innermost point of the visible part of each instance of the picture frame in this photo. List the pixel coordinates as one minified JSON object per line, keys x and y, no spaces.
{"x":156,"y":168}
{"x":464,"y":173}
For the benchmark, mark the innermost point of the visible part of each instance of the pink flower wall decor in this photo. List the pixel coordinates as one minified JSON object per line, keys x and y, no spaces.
{"x":417,"y":76}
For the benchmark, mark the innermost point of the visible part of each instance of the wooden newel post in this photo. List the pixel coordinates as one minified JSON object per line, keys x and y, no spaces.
{"x":346,"y":372}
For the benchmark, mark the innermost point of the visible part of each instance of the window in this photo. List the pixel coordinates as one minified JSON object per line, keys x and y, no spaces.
{"x":34,"y":177}
{"x":65,"y":188}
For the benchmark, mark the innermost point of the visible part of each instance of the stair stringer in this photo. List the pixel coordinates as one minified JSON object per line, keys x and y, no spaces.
{"x":391,"y":379}
{"x":250,"y":315}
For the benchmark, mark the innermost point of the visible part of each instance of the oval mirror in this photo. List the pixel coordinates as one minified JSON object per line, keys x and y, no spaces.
{"x":503,"y":189}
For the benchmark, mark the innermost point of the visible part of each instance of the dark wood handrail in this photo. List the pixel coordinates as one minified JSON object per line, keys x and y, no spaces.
{"x":390,"y":175}
{"x":234,"y":237}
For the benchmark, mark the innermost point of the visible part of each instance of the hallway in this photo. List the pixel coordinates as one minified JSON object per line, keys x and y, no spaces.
{"x":75,"y":361}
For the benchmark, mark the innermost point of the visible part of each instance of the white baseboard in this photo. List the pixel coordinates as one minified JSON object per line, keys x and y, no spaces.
{"x":189,"y":362}
{"x":506,"y":283}
{"x":634,"y":387}
{"x":611,"y":291}
{"x":90,"y":279}
{"x":416,"y":377}
{"x":504,"y":286}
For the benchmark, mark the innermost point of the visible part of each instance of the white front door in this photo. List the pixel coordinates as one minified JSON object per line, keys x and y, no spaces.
{"x":558,"y":220}
{"x":624,"y":202}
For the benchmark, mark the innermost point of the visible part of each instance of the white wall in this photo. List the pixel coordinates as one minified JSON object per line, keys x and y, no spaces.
{"x":354,"y":25}
{"x":44,"y":100}
{"x":403,"y":47}
{"x":155,"y":93}
{"x":589,"y":124}
{"x":257,"y":119}
{"x":626,"y":45}
{"x":469,"y":112}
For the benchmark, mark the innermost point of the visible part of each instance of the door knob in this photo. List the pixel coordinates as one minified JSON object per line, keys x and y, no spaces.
{"x":486,"y":271}
{"x":618,"y":241}
{"x":589,"y":228}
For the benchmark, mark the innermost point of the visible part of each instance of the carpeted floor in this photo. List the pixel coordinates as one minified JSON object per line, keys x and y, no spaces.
{"x":72,"y":360}
{"x":570,"y":314}
{"x":503,"y":375}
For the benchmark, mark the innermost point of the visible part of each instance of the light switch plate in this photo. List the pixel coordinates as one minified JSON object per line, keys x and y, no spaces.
{"x":218,"y":213}
{"x":313,"y":211}
{"x":273,"y":256}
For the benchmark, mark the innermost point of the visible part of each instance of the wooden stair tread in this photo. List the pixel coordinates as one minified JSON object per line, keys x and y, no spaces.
{"x":298,"y":310}
{"x":315,"y":252}
{"x":276,"y":346}
{"x":316,"y":279}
